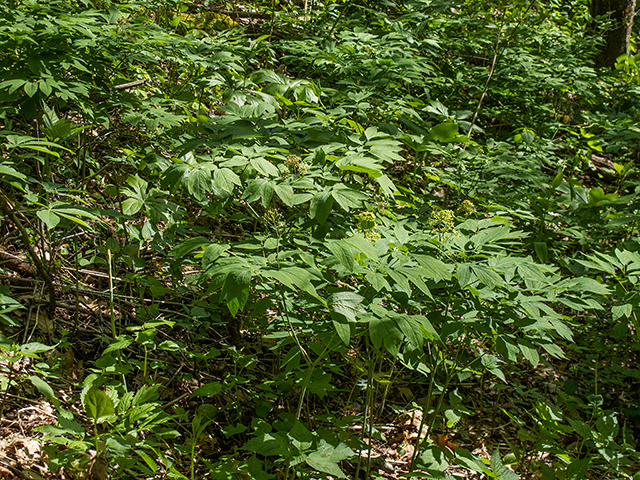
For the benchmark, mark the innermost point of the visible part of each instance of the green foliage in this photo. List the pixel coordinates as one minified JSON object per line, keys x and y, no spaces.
{"x":378,"y":195}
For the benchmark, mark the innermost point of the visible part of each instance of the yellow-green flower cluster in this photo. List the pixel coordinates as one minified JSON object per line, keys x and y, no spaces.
{"x":466,"y":208}
{"x":441,"y":221}
{"x":295,"y":163}
{"x":367,"y":225}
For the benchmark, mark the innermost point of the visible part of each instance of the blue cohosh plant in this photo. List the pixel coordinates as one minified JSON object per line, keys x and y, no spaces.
{"x":340,"y":210}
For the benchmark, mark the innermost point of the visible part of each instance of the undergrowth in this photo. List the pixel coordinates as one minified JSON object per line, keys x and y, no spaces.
{"x":359,"y":239}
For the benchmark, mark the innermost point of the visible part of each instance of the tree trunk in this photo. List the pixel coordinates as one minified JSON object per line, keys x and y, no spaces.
{"x":617,"y":36}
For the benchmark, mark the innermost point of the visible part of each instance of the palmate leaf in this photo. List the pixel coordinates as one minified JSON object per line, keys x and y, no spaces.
{"x":348,"y":198}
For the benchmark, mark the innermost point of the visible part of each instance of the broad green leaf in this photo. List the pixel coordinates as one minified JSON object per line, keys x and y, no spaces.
{"x":45,"y":87}
{"x":326,"y":458}
{"x":584,"y":284}
{"x":343,"y":329}
{"x":435,"y":269}
{"x":119,"y":343}
{"x":429,"y":332}
{"x":487,"y":276}
{"x":581,"y":428}
{"x":468,"y":460}
{"x":199,"y":183}
{"x":131,"y":206}
{"x":348,"y":198}
{"x":267,"y":444}
{"x":117,"y":446}
{"x":343,"y":253}
{"x":500,"y":471}
{"x":208,"y":389}
{"x":50,"y":219}
{"x":265,"y":167}
{"x":173,"y":176}
{"x":30,"y":88}
{"x":225,"y":179}
{"x":385,"y":332}
{"x":624,"y":310}
{"x":346,"y":303}
{"x":285,"y":192}
{"x":320,"y":206}
{"x":5,"y":169}
{"x":32,"y":349}
{"x":212,"y":252}
{"x":45,"y":389}
{"x":377,"y":281}
{"x":363,"y":245}
{"x":188,"y":246}
{"x":445,"y":132}
{"x":411,"y":329}
{"x":236,"y":289}
{"x":97,"y":405}
{"x":529,"y":352}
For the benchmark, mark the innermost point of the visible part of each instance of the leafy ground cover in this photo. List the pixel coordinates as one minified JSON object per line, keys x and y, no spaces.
{"x":319,"y":240}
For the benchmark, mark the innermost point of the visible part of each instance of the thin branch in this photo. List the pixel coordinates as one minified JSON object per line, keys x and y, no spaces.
{"x":5,"y":205}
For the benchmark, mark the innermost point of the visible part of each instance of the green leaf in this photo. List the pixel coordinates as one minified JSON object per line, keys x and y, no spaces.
{"x":225,"y":179}
{"x":445,"y":132}
{"x":188,"y":246}
{"x":468,"y":460}
{"x":30,"y":88}
{"x":500,"y":471}
{"x":346,"y":303}
{"x":131,"y":206}
{"x":348,"y":198}
{"x":343,"y":253}
{"x":435,"y":269}
{"x":411,"y":329}
{"x":97,"y":405}
{"x":326,"y":458}
{"x":320,"y":206}
{"x":529,"y":352}
{"x":236,"y":289}
{"x":212,"y":253}
{"x":285,"y":192}
{"x":618,"y":311}
{"x":5,"y":169}
{"x":32,"y":349}
{"x":265,"y":167}
{"x":385,"y":331}
{"x":266,"y":444}
{"x":208,"y":389}
{"x":343,"y":329}
{"x":119,"y":343}
{"x":45,"y":389}
{"x":199,"y":183}
{"x":50,"y":219}
{"x":363,"y":245}
{"x":487,"y":276}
